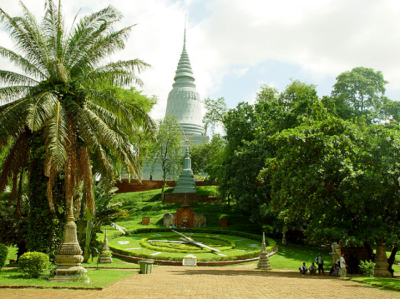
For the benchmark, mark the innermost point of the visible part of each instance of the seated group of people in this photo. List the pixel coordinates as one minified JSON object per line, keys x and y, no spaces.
{"x":313,"y":269}
{"x":319,"y":261}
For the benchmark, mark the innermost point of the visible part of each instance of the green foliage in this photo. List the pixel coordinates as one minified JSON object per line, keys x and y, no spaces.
{"x":107,"y":213}
{"x":64,"y":103}
{"x":367,"y":268}
{"x":358,"y":92}
{"x":98,"y":278}
{"x":45,"y":227}
{"x":216,"y":110}
{"x":3,"y":255}
{"x":167,"y":150}
{"x":342,"y":177}
{"x":248,"y":129}
{"x":33,"y":264}
{"x":205,"y":154}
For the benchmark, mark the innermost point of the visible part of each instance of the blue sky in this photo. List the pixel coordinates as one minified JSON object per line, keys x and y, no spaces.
{"x":237,"y":45}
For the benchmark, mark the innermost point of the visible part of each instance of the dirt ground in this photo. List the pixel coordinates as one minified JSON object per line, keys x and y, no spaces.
{"x":215,"y":282}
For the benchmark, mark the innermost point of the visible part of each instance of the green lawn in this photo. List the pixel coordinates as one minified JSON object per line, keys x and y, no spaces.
{"x":389,"y":283}
{"x":98,"y":278}
{"x":130,"y":245}
{"x":291,"y":257}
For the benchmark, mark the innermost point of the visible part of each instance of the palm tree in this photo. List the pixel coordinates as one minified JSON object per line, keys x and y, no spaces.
{"x":57,"y":119}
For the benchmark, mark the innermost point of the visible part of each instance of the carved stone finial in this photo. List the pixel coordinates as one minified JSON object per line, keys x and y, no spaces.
{"x":263,"y":262}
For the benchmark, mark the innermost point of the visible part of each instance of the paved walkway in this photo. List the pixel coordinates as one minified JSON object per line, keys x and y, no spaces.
{"x":215,"y":282}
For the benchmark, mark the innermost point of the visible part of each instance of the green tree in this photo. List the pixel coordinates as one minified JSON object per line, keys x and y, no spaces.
{"x":216,"y":110}
{"x":248,"y":129}
{"x":342,"y":177}
{"x":59,"y":119}
{"x":202,"y":155}
{"x":167,"y":149}
{"x":358,"y":92}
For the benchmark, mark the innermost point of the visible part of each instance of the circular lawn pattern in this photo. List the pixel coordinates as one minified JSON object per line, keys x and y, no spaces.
{"x":232,"y":247}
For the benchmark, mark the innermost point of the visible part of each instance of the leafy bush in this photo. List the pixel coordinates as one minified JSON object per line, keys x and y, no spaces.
{"x":367,"y":268}
{"x":3,"y":255}
{"x":33,"y":264}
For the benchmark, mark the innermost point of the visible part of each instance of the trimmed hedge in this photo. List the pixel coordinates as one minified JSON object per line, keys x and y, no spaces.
{"x":144,"y":243}
{"x":246,"y":255}
{"x":33,"y":263}
{"x":3,"y":255}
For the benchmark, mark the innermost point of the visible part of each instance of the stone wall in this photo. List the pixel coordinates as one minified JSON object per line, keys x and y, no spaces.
{"x":190,"y":197}
{"x":135,"y":186}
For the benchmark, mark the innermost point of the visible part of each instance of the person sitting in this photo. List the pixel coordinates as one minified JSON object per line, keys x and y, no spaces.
{"x":303,"y":269}
{"x":335,"y":271}
{"x":313,"y":269}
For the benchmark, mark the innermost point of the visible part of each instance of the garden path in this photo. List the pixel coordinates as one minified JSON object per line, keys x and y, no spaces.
{"x":215,"y":282}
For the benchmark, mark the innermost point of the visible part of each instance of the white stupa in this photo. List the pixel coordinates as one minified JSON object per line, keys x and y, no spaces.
{"x":184,"y":100}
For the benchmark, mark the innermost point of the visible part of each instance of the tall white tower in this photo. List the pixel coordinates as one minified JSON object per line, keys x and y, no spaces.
{"x":184,"y":100}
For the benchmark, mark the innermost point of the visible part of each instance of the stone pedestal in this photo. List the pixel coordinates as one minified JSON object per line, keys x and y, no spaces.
{"x":381,"y":263}
{"x":69,"y":255}
{"x":104,"y":257}
{"x":263,"y":262}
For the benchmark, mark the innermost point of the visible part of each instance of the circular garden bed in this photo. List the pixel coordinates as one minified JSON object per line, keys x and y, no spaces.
{"x":232,"y":245}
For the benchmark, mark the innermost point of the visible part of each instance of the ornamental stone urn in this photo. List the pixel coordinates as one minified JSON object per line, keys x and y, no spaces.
{"x":69,"y":255}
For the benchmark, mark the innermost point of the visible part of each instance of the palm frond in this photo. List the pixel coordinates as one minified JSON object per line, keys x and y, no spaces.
{"x":102,"y":47}
{"x":130,"y":114}
{"x":88,"y":29}
{"x":11,"y":78}
{"x":52,"y":26}
{"x":22,"y":63}
{"x":12,"y":118}
{"x":120,"y":72}
{"x":11,"y":93}
{"x":24,"y":39}
{"x":41,"y":110}
{"x":56,"y":138}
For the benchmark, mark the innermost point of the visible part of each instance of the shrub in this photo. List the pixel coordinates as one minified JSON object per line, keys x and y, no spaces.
{"x":33,"y":264}
{"x":3,"y":255}
{"x":367,"y":268}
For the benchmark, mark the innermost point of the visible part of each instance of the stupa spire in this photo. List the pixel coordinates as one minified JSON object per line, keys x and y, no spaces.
{"x":184,"y":74}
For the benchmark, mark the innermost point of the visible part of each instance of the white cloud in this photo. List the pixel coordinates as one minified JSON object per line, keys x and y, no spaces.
{"x":323,"y":37}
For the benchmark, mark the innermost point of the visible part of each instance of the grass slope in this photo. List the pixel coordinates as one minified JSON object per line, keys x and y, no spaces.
{"x":149,"y":204}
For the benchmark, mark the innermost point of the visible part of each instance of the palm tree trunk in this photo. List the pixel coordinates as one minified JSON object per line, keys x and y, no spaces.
{"x":45,"y":228}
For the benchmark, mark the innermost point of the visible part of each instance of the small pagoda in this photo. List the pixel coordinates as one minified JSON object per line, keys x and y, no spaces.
{"x":186,"y":182}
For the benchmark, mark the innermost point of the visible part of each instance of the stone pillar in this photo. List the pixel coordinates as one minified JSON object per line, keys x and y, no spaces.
{"x":381,"y":263}
{"x":69,"y":255}
{"x":105,"y":258}
{"x":263,"y":262}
